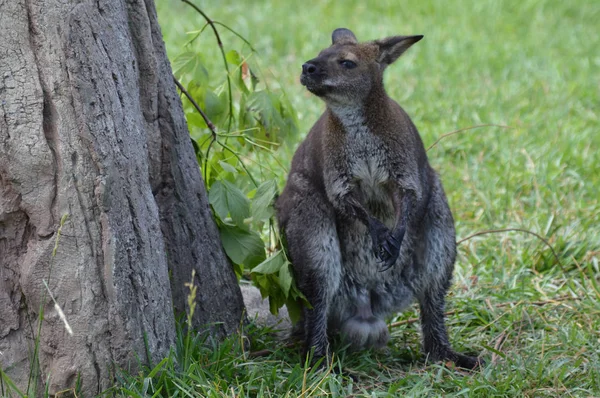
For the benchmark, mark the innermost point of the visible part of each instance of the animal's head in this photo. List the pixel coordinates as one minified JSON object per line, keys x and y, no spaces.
{"x":345,"y":73}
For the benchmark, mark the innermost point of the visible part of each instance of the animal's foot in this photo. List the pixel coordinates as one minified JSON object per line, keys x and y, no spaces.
{"x":468,"y":362}
{"x":460,"y":360}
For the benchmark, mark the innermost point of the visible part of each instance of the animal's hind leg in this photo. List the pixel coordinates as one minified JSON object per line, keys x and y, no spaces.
{"x":435,"y":258}
{"x":315,"y":253}
{"x":435,"y":336}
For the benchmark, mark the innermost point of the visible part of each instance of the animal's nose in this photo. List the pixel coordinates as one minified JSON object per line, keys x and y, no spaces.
{"x":309,"y":69}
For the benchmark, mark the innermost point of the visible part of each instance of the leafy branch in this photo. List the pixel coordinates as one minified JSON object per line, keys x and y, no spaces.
{"x":242,"y":203}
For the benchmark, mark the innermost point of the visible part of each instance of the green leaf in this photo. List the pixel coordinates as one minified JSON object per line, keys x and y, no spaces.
{"x":190,"y":63}
{"x":158,"y":368}
{"x":269,"y":111}
{"x":262,"y":281}
{"x":242,"y":246}
{"x":226,"y":199}
{"x":215,"y":106}
{"x":289,"y":116}
{"x":296,"y":294}
{"x":276,"y":301}
{"x":227,"y":167}
{"x":285,"y":278}
{"x":253,"y":79}
{"x":239,"y":205}
{"x":263,"y":200}
{"x":217,"y":197}
{"x":233,"y":57}
{"x":271,"y":264}
{"x":196,"y":120}
{"x":245,"y":118}
{"x":239,"y":270}
{"x":184,"y":63}
{"x":294,"y":309}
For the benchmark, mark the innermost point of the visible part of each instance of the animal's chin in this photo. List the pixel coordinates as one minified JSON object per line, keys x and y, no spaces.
{"x":314,"y":86}
{"x":319,"y":91}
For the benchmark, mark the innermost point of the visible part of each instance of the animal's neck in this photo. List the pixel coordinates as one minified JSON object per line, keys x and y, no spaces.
{"x":351,"y":117}
{"x":357,"y":116}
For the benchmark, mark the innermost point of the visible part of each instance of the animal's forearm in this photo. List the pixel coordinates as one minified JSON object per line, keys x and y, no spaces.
{"x":403,"y":205}
{"x":345,"y":200}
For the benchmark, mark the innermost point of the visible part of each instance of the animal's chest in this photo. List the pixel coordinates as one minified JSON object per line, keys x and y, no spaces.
{"x":367,"y":162}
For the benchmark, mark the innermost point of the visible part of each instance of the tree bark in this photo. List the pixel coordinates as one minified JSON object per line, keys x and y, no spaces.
{"x":91,"y":126}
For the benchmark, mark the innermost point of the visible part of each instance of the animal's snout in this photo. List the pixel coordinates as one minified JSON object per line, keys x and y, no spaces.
{"x":313,"y":74}
{"x":310,"y":69}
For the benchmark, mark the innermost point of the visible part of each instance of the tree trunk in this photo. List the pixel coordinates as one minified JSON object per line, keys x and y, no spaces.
{"x":91,"y":126}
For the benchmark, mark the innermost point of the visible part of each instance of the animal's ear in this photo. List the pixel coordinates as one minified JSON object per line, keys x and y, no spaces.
{"x":391,"y":48}
{"x":343,"y":36}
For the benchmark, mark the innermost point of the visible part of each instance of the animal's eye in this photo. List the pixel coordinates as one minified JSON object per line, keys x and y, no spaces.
{"x":347,"y":64}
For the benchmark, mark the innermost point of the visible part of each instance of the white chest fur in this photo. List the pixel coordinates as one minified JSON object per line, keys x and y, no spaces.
{"x":365,"y":154}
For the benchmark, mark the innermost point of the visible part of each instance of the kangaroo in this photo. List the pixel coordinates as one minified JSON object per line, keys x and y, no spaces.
{"x":366,"y":220}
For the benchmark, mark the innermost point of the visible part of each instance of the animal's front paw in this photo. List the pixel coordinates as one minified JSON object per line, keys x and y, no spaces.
{"x":390,"y":248}
{"x":379,"y":234}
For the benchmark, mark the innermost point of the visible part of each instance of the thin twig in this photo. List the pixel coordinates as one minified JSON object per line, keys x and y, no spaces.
{"x":498,"y":346}
{"x":214,"y":138}
{"x":585,"y":277}
{"x":268,"y":351}
{"x":210,"y":124}
{"x":496,"y":231}
{"x":499,"y":305}
{"x":549,"y":301}
{"x":465,"y":129}
{"x":235,"y":33}
{"x":220,"y":44}
{"x":212,"y":128}
{"x":413,"y":320}
{"x":208,"y":20}
{"x":198,"y":33}
{"x":234,"y":153}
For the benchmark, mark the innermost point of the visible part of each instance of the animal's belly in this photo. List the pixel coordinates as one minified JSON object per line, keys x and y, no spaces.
{"x":361,"y":280}
{"x":359,"y":261}
{"x":359,"y":258}
{"x":382,"y":298}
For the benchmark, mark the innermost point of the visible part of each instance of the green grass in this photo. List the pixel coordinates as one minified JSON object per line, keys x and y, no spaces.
{"x":531,"y":65}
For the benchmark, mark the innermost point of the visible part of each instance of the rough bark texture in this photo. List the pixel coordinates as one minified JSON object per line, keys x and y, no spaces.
{"x":191,"y":236}
{"x":91,"y":126}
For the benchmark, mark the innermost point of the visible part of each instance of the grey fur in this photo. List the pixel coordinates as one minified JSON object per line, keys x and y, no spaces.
{"x":365,"y":216}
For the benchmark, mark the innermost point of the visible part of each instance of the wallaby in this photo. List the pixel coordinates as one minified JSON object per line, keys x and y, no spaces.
{"x":366,"y":220}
